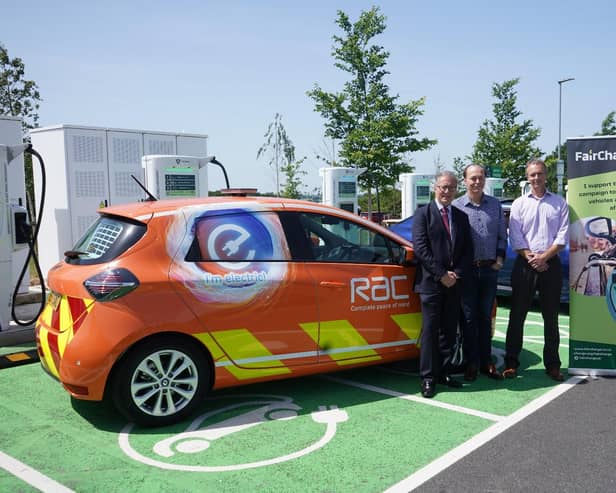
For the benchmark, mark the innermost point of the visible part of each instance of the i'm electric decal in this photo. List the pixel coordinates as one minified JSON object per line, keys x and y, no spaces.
{"x":232,"y":257}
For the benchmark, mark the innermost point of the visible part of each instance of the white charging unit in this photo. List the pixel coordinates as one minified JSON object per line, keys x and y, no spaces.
{"x":495,"y":187}
{"x":416,"y":188}
{"x":7,"y":232}
{"x":172,"y":177}
{"x":339,"y":187}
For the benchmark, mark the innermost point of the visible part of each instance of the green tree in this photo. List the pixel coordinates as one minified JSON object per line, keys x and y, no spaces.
{"x":18,"y":96}
{"x":608,"y":126}
{"x":458,"y":169}
{"x":293,"y":173}
{"x":372,"y":129}
{"x":505,"y":141}
{"x":282,"y":158}
{"x":391,"y":201}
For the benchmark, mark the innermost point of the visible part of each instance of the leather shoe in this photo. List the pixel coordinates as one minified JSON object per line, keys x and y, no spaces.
{"x":470,"y":375}
{"x":492,"y":372}
{"x":427,"y":388}
{"x":555,"y":374}
{"x":450,"y":382}
{"x":510,"y":373}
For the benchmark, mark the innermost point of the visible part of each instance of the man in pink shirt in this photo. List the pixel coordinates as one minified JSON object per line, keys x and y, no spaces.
{"x":538,"y":230}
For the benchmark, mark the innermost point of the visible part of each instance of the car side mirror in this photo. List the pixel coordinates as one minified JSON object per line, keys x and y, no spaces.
{"x":407,"y":256}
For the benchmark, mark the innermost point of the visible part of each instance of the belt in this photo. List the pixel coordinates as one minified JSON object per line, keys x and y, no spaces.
{"x":483,"y":263}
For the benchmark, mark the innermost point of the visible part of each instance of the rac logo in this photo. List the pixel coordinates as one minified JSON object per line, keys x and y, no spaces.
{"x":379,"y":288}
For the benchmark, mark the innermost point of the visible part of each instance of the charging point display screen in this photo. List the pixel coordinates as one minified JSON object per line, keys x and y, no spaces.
{"x":347,"y":188}
{"x":422,"y":193}
{"x":180,"y":183}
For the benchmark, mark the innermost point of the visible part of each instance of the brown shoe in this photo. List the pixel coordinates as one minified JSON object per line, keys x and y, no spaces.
{"x":470,"y":375}
{"x":555,"y":374}
{"x":510,"y":373}
{"x":492,"y":372}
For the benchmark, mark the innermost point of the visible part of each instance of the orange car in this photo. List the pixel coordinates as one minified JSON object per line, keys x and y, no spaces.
{"x":162,"y":301}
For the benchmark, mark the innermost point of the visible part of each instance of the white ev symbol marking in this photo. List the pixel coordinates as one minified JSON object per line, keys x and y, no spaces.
{"x":195,"y":440}
{"x":231,"y":247}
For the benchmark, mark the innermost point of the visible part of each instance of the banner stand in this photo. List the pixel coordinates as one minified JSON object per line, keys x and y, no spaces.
{"x":591,"y":171}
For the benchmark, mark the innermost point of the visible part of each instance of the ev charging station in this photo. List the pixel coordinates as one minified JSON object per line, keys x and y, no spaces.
{"x":13,"y":215}
{"x":172,"y":177}
{"x":10,"y":240}
{"x":416,"y":189}
{"x":339,"y":187}
{"x":495,"y":187}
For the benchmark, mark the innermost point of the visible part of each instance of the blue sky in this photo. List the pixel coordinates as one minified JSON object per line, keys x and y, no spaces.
{"x":225,"y":68}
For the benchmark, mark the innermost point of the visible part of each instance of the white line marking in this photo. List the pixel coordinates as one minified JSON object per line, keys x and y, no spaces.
{"x":413,"y":398}
{"x":31,"y":476}
{"x":425,"y":473}
{"x":505,"y":320}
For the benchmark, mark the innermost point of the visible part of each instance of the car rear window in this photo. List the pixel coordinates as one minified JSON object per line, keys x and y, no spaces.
{"x":107,"y":238}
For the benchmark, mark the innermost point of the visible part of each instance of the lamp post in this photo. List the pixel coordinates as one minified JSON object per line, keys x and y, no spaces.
{"x":560,"y":164}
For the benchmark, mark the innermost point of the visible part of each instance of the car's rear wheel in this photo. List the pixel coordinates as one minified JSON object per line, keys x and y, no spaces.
{"x":160,"y":382}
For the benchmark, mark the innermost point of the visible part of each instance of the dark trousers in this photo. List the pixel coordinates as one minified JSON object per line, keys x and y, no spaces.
{"x":440,"y":314}
{"x":524,"y":282}
{"x":477,"y":303}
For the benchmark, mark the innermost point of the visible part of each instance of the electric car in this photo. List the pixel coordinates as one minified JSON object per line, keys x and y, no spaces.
{"x":161,"y":302}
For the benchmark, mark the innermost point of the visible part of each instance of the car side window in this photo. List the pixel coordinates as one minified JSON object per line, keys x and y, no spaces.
{"x":240,"y":236}
{"x":327,"y":238}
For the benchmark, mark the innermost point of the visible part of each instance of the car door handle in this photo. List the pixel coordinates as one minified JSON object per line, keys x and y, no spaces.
{"x":333,"y":284}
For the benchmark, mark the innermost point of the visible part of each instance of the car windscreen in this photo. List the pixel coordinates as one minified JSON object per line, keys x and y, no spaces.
{"x":107,"y":238}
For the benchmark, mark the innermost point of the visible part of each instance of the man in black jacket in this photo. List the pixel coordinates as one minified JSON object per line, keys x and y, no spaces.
{"x":444,"y":250}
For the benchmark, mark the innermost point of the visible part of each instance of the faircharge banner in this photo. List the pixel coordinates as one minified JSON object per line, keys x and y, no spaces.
{"x":591,"y":166}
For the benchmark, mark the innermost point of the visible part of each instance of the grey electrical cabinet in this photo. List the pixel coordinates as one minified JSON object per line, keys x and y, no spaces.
{"x":90,"y":167}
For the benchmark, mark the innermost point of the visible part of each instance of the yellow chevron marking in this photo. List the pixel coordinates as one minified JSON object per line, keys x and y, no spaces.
{"x":89,"y":302}
{"x":65,"y":317}
{"x":48,"y":360}
{"x":409,"y":323}
{"x":340,"y":334}
{"x":64,"y":338}
{"x":66,"y":325}
{"x":240,"y":344}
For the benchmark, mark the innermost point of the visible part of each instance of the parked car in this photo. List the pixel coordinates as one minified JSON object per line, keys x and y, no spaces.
{"x":160,"y":302}
{"x":403,"y":228}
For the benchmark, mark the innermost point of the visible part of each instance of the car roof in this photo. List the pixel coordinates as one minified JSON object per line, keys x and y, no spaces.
{"x":144,"y":211}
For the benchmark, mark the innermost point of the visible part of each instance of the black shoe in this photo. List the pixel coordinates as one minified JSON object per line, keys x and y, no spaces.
{"x":555,"y":374}
{"x":492,"y":372}
{"x":427,"y":388}
{"x":450,"y":382}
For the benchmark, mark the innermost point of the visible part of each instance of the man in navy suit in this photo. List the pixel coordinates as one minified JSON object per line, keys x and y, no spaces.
{"x":444,"y":250}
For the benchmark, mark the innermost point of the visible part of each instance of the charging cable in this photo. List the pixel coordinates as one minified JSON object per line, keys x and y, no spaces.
{"x":32,"y":246}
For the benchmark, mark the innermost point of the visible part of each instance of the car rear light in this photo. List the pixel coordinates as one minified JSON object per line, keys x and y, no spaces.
{"x":111,"y":284}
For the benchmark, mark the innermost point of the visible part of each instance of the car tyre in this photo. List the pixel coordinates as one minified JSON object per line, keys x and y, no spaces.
{"x":160,"y":382}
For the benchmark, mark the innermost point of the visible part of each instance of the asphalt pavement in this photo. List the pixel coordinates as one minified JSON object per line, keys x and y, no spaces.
{"x":27,"y":307}
{"x":568,"y":445}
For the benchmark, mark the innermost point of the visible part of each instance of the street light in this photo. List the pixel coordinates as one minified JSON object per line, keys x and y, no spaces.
{"x":560,"y":164}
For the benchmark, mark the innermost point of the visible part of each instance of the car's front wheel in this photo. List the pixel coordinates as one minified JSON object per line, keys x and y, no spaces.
{"x":160,"y":382}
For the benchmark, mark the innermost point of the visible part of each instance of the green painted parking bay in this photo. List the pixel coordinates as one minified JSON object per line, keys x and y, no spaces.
{"x":364,"y":430}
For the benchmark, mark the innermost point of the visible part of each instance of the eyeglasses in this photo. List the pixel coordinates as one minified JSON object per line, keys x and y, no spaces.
{"x":446,"y":188}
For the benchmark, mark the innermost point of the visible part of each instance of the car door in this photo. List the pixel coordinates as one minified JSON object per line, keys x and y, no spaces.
{"x":366,"y":305}
{"x":249,"y":297}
